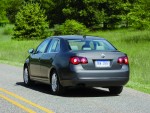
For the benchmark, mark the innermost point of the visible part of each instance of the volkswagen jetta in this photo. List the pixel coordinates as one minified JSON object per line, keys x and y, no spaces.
{"x":69,"y":61}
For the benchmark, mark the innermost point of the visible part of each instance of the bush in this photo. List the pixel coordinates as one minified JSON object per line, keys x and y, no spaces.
{"x":70,"y":27}
{"x":141,"y":24}
{"x":3,"y":19}
{"x":8,"y":30}
{"x":31,"y":23}
{"x":58,"y":29}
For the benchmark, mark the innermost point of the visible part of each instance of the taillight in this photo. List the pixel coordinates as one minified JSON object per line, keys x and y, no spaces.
{"x":83,"y":60}
{"x":123,"y":60}
{"x":126,"y":61}
{"x":75,"y":60}
{"x":78,"y":60}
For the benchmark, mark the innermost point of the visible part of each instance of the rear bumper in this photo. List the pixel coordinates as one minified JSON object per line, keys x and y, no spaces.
{"x":96,"y":78}
{"x":102,"y":82}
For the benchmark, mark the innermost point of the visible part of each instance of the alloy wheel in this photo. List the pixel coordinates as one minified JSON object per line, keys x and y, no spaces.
{"x":54,"y":82}
{"x":26,"y":76}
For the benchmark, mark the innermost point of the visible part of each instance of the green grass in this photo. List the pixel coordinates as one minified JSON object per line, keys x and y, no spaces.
{"x":135,"y":43}
{"x":16,"y":51}
{"x":12,"y":51}
{"x":8,"y":29}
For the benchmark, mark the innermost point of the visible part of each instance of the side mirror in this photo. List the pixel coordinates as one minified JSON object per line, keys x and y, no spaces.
{"x":31,"y":51}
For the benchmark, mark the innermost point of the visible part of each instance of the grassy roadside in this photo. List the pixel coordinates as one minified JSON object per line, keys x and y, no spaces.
{"x":15,"y":52}
{"x":12,"y":51}
{"x":135,"y":43}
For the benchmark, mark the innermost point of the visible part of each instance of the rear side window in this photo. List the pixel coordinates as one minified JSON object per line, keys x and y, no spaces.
{"x":101,"y":45}
{"x":54,"y":46}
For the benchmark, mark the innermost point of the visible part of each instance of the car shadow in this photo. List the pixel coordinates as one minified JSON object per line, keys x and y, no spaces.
{"x":71,"y":92}
{"x":87,"y":92}
{"x":43,"y":88}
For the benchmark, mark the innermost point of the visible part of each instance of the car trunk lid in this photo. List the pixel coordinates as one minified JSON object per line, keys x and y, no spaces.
{"x":101,"y":60}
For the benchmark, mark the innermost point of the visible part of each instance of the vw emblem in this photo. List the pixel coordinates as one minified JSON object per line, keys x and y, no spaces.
{"x":102,"y":55}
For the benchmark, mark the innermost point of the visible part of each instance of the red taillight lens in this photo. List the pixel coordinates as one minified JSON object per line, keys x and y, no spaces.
{"x":78,"y":60}
{"x":120,"y":60}
{"x":83,"y":60}
{"x":126,"y":61}
{"x":75,"y":60}
{"x":123,"y":60}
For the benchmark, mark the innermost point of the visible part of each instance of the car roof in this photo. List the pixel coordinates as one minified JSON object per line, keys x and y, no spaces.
{"x":77,"y":37}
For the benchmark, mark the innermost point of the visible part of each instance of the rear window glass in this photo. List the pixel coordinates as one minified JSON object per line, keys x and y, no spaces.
{"x":101,"y":45}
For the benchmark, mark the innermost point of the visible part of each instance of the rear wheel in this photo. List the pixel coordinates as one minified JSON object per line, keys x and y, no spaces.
{"x":116,"y":90}
{"x":26,"y":77}
{"x":56,"y":87}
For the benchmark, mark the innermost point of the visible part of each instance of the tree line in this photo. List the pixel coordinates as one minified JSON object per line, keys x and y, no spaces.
{"x":94,"y":14}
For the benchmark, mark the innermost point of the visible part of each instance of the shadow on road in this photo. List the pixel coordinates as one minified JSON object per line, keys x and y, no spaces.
{"x":70,"y":92}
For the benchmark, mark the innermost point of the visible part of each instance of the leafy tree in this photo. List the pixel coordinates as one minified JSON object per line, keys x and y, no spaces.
{"x":104,"y":13}
{"x":31,"y":23}
{"x":50,"y":9}
{"x":12,"y":9}
{"x":108,"y":14}
{"x":3,"y":17}
{"x":139,"y":15}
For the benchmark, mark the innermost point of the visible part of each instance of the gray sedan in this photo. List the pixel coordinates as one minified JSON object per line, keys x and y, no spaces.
{"x":70,"y":61}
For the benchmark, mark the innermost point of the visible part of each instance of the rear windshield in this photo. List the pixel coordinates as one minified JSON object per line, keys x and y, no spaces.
{"x":101,"y":45}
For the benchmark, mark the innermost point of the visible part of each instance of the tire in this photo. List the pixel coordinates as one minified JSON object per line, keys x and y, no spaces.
{"x":26,"y":77}
{"x":56,"y":87}
{"x":115,"y":90}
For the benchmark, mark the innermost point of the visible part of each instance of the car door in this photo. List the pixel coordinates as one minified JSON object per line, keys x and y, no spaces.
{"x":35,"y":58}
{"x":47,"y":59}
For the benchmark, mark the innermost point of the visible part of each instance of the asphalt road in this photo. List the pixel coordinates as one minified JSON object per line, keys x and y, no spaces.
{"x":16,"y":98}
